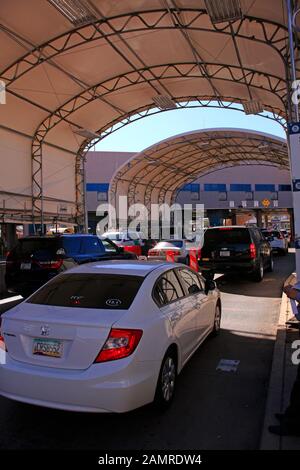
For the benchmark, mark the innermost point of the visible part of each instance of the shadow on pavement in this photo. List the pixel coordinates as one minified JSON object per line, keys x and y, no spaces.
{"x":239,"y":284}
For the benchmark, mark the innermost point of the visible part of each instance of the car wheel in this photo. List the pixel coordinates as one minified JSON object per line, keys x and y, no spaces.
{"x":271,"y":264}
{"x":217,"y":320}
{"x":166,"y":383}
{"x":258,"y":274}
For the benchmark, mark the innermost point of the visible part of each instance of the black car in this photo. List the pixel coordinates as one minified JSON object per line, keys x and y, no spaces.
{"x":235,"y":249}
{"x":36,"y":260}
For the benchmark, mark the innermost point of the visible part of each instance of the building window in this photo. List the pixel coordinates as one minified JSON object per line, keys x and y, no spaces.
{"x":194,"y":196}
{"x":265,"y":187}
{"x":97,"y":187}
{"x":284,"y":187}
{"x":223,"y":196}
{"x":102,"y":196}
{"x":215,"y":187}
{"x":192,"y":187}
{"x":241,"y":187}
{"x":249,"y":196}
{"x":274,"y":196}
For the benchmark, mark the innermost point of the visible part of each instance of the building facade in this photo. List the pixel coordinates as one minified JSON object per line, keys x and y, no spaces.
{"x":240,"y":194}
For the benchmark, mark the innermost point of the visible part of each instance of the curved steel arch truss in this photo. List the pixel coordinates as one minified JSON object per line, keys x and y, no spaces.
{"x":156,"y":174}
{"x":125,"y":34}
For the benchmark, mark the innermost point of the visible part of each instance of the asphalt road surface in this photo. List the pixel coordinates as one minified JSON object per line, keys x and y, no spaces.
{"x":213,"y":409}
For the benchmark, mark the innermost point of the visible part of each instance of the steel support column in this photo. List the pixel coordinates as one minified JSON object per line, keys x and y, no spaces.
{"x":294,"y":137}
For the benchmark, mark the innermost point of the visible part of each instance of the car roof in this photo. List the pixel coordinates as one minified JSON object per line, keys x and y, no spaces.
{"x":57,"y":235}
{"x":229,"y":226}
{"x":124,"y":267}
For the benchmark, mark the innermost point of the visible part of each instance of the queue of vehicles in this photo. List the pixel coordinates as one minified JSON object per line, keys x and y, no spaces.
{"x":83,"y":341}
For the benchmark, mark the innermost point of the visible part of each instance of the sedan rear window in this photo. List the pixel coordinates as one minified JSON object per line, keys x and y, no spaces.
{"x":169,"y":244}
{"x":85,"y":290}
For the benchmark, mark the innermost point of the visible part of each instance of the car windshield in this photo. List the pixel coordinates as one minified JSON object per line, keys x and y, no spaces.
{"x":229,"y":235}
{"x":88,"y":290}
{"x":272,"y":233}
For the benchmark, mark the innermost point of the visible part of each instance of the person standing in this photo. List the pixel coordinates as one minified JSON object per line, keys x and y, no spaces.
{"x":290,"y":419}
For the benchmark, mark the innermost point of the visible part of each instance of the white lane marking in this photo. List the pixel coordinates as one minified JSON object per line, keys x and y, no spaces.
{"x":10,"y":299}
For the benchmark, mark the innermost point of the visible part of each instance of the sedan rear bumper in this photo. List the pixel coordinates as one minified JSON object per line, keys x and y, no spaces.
{"x":115,"y":387}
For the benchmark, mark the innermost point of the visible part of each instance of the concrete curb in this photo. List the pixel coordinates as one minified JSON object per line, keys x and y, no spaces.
{"x":276,"y":392}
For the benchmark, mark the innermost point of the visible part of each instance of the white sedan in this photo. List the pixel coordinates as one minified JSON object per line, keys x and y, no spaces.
{"x":179,"y":248}
{"x":107,"y":337}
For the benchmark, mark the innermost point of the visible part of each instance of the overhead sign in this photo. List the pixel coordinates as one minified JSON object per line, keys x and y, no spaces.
{"x":296,"y":185}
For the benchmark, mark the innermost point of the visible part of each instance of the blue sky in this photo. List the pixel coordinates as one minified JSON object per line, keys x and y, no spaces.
{"x":145,"y":132}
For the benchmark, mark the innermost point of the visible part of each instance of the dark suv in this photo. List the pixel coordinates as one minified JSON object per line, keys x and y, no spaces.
{"x":235,"y":249}
{"x":36,"y":260}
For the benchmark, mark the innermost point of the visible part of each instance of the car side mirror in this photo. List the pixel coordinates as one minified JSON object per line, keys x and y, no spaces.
{"x":121,"y":249}
{"x":209,"y":286}
{"x":193,"y":289}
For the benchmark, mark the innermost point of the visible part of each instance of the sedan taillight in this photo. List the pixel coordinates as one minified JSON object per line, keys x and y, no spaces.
{"x":152,"y":253}
{"x":119,"y":344}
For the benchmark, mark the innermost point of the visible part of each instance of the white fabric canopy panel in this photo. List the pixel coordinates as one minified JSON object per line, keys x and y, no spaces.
{"x":77,"y":70}
{"x":155,"y":175}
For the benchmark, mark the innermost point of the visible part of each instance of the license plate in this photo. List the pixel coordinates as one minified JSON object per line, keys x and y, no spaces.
{"x":224,"y":253}
{"x":47,"y":347}
{"x":25,"y":266}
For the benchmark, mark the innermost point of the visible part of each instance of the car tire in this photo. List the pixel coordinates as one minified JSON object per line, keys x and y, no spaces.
{"x":271,"y":264}
{"x":166,"y":383}
{"x":258,"y":274}
{"x":217,"y":321}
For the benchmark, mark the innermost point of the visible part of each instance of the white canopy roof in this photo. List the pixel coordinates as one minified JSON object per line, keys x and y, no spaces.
{"x":76,"y":70}
{"x":156,"y":174}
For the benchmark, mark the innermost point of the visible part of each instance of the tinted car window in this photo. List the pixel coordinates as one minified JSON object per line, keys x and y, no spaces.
{"x":91,"y":245}
{"x":257,"y":235}
{"x":167,"y":289}
{"x":84,"y":290}
{"x":188,"y":279}
{"x":38,"y":247}
{"x":71,"y":244}
{"x":230,"y":236}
